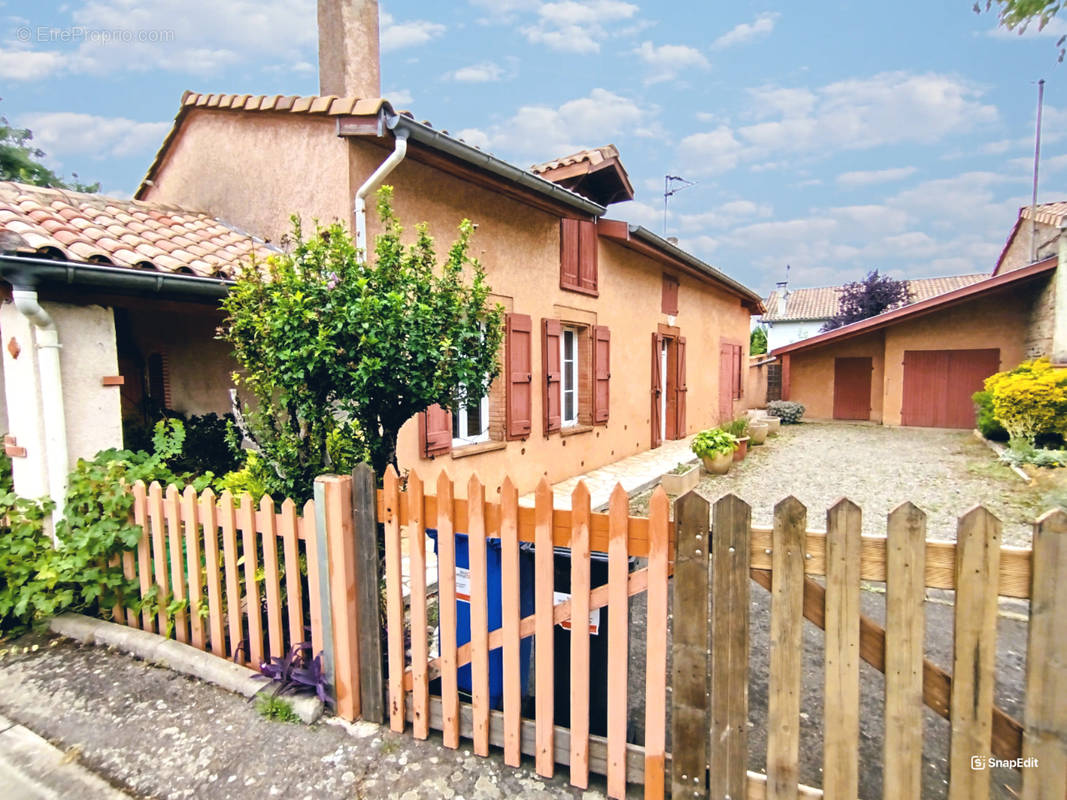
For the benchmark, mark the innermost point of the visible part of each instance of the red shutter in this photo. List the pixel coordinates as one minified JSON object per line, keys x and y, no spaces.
{"x":738,"y":383}
{"x":601,"y":373}
{"x":657,"y":388}
{"x":568,"y":253}
{"x":680,"y":389}
{"x":587,"y":256}
{"x":670,"y":295}
{"x":550,"y":366}
{"x":435,"y":431}
{"x":519,"y":371}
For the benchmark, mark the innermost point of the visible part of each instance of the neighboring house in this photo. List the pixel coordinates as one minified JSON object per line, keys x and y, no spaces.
{"x":920,"y":364}
{"x":109,"y":312}
{"x":795,"y":314}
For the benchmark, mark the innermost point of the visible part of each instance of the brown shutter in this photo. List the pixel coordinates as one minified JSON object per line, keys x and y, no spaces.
{"x":670,"y":295}
{"x":657,"y":388}
{"x":738,"y":385}
{"x":680,"y":389}
{"x":435,"y":431}
{"x":550,"y":366}
{"x":519,"y":381}
{"x":568,"y":253}
{"x":587,"y":256}
{"x":601,"y":373}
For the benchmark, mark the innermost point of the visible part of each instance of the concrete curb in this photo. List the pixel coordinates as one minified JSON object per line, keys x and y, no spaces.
{"x":181,"y":658}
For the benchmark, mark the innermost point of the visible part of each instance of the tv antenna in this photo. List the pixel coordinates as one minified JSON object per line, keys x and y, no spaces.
{"x":672,"y":184}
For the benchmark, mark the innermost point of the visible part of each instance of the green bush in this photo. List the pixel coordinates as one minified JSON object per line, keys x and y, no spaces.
{"x":713,"y":442}
{"x":1020,"y":451}
{"x":786,"y":410}
{"x":1030,"y":400}
{"x":985,"y":419}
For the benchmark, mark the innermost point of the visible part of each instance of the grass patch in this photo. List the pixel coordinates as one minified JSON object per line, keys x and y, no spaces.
{"x":275,"y":708}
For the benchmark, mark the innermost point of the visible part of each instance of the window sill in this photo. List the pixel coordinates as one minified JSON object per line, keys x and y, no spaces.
{"x":570,"y":287}
{"x":475,"y":449}
{"x":574,"y":430}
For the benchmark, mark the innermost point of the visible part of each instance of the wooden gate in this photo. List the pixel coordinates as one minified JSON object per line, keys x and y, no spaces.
{"x":852,"y":388}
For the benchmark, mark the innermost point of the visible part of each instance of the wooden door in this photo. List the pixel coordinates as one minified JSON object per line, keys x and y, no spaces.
{"x":852,"y":388}
{"x":938,"y":385}
{"x":657,"y":390}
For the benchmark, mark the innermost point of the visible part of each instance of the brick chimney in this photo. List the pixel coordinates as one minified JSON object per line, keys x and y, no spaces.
{"x":349,"y":64}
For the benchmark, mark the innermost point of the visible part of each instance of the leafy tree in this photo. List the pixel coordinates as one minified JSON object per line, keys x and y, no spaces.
{"x":1021,"y":14}
{"x":757,"y":341}
{"x":340,"y":354}
{"x":867,"y":298}
{"x":20,"y":161}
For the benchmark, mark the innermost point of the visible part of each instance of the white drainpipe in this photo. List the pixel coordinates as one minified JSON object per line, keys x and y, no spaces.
{"x":54,"y":418}
{"x":400,"y":149}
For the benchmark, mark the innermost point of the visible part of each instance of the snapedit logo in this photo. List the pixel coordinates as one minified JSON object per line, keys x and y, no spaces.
{"x":979,"y":763}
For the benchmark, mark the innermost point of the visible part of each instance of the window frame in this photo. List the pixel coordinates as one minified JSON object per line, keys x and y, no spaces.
{"x":573,"y":373}
{"x":459,"y":424}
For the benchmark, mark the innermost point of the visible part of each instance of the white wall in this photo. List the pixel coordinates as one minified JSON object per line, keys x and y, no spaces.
{"x":779,"y":334}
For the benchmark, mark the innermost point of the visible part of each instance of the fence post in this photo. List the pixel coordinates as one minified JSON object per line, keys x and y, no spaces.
{"x":1045,"y":736}
{"x":689,"y":648}
{"x":333,"y":517}
{"x":368,"y":603}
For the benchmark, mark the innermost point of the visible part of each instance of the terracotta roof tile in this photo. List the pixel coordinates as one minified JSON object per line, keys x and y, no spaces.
{"x":1048,"y":213}
{"x":593,"y":155}
{"x":131,"y":233}
{"x":821,"y":303}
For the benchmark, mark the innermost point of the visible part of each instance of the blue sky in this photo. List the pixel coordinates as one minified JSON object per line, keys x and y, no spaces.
{"x":835,"y":137}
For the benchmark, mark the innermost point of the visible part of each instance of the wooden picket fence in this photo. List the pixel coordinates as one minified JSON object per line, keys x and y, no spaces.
{"x":695,"y":566}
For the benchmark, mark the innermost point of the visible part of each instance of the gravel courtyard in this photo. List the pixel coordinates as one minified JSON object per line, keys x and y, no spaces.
{"x":944,"y":472}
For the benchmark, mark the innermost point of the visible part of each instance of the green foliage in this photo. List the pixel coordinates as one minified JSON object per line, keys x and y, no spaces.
{"x":20,"y":161}
{"x":38,"y":580}
{"x":275,"y":708}
{"x":757,"y":341}
{"x":1021,"y":14}
{"x":738,"y":427}
{"x":252,"y":479}
{"x":682,"y":468}
{"x":1020,"y":451}
{"x":7,"y":481}
{"x":340,"y":354}
{"x":787,"y":411}
{"x":211,"y":445}
{"x":1030,"y":400}
{"x":713,"y":442}
{"x":985,"y":419}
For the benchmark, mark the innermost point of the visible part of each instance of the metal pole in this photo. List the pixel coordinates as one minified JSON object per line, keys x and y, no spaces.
{"x":1037,"y":160}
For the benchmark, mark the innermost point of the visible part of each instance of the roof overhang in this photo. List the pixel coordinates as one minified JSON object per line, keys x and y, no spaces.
{"x":643,"y":241}
{"x":906,"y":313}
{"x":605,"y":182}
{"x":23,"y":272}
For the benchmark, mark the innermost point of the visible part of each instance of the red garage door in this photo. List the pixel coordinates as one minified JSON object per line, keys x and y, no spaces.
{"x":938,"y":385}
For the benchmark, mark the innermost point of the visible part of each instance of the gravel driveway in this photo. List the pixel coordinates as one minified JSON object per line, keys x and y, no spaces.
{"x":944,"y":472}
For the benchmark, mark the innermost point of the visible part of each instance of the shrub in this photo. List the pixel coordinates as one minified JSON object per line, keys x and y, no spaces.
{"x":1030,"y":400}
{"x":211,"y":445}
{"x":1021,"y":451}
{"x":787,"y":411}
{"x":757,"y":341}
{"x":985,"y":419}
{"x":738,"y":427}
{"x":713,"y":442}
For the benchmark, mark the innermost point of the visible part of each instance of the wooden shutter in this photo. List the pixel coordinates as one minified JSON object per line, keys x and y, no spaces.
{"x":587,"y":256}
{"x":670,"y":295}
{"x":680,"y":390}
{"x":519,"y":376}
{"x":568,"y":254}
{"x":739,"y":384}
{"x":435,"y":431}
{"x":657,"y":388}
{"x":551,"y":369}
{"x":601,"y":373}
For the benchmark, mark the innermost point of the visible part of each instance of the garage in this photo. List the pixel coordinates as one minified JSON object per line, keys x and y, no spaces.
{"x":938,"y":385}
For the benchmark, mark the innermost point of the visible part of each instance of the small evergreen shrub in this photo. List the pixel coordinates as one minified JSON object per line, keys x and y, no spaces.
{"x":787,"y":411}
{"x":985,"y":420}
{"x":1030,"y":400}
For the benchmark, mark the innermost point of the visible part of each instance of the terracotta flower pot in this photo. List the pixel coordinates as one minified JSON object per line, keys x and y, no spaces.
{"x":757,"y":432}
{"x":718,"y":464}
{"x":742,"y":449}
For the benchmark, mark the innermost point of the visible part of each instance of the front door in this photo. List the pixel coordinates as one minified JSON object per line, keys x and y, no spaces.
{"x":852,"y":388}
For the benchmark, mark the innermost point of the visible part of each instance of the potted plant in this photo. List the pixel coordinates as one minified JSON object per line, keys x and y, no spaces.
{"x":757,"y":431}
{"x":715,"y":448}
{"x":739,"y":429}
{"x":681,"y":479}
{"x":774,"y":425}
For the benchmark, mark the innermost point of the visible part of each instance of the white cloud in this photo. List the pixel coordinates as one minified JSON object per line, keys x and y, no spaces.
{"x":667,"y":60}
{"x":577,"y":26}
{"x":475,"y":137}
{"x":485,"y":72}
{"x":64,"y":133}
{"x":868,"y":177}
{"x":399,"y":97}
{"x":28,"y":65}
{"x":747,"y":31}
{"x":538,"y":133}
{"x":639,"y":213}
{"x":859,"y":113}
{"x":412,"y":33}
{"x":725,"y":215}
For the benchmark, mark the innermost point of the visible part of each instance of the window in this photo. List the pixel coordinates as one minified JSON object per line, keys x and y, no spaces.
{"x":578,"y":256}
{"x":568,"y":359}
{"x":470,"y":422}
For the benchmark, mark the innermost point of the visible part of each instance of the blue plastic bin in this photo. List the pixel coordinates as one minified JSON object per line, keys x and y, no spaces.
{"x":463,"y":613}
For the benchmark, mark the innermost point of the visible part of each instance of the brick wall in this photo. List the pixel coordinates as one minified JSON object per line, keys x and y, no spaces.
{"x":1040,"y":324}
